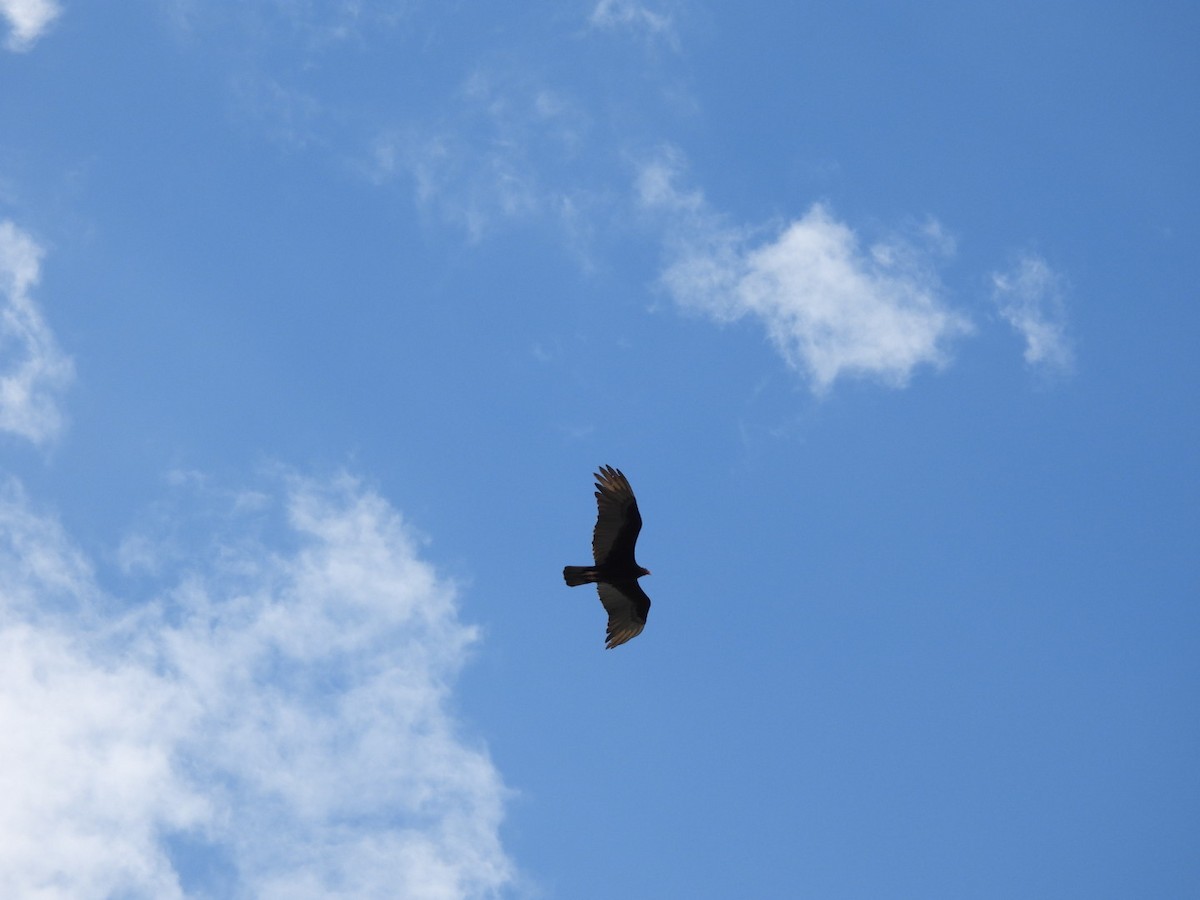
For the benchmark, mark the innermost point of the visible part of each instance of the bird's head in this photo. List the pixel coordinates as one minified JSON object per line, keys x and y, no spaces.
{"x":642,"y":571}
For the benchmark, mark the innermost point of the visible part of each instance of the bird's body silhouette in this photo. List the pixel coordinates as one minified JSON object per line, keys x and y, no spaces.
{"x":615,"y":572}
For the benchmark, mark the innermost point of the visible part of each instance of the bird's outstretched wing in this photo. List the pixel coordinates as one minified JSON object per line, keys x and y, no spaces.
{"x":627,"y":606}
{"x":618,"y":521}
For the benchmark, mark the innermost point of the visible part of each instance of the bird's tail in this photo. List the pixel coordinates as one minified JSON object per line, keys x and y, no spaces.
{"x":577,"y":575}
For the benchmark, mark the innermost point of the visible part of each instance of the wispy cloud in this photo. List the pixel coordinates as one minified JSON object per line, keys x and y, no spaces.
{"x":502,"y":154}
{"x":634,"y":16}
{"x":1030,"y":298}
{"x":310,"y":27}
{"x":27,"y":21}
{"x":458,"y":182}
{"x":273,"y":724}
{"x":33,"y":370}
{"x":831,"y":307}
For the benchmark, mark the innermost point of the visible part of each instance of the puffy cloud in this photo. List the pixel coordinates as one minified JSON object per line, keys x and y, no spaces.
{"x":1030,"y":298}
{"x":27,"y":19}
{"x":830,"y":306}
{"x":273,"y":724}
{"x":33,"y":370}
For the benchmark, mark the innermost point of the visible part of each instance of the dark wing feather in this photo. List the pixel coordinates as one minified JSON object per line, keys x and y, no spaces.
{"x":618,"y":521}
{"x":627,"y":606}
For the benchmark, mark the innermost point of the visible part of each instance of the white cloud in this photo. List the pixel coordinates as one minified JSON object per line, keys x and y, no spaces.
{"x":302,"y":24}
{"x":274,"y":724}
{"x":32,"y":368}
{"x":468,"y":185}
{"x":1030,"y":298}
{"x":632,"y":15}
{"x":830,"y":307}
{"x":27,"y":19}
{"x":504,"y":152}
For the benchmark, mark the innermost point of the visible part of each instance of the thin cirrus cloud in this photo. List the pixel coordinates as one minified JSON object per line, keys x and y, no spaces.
{"x":273,"y":723}
{"x":830,"y":307}
{"x":1030,"y":298}
{"x":27,"y":21}
{"x":505,"y":152}
{"x":33,"y":370}
{"x":630,"y":15}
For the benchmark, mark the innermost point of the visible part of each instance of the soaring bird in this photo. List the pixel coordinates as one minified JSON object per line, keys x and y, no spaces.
{"x":616,"y":572}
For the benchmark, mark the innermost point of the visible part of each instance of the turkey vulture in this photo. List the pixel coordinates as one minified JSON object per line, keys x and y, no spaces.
{"x":616,"y":571}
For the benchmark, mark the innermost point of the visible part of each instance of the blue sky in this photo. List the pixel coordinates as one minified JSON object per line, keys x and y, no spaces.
{"x":317,"y":318}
